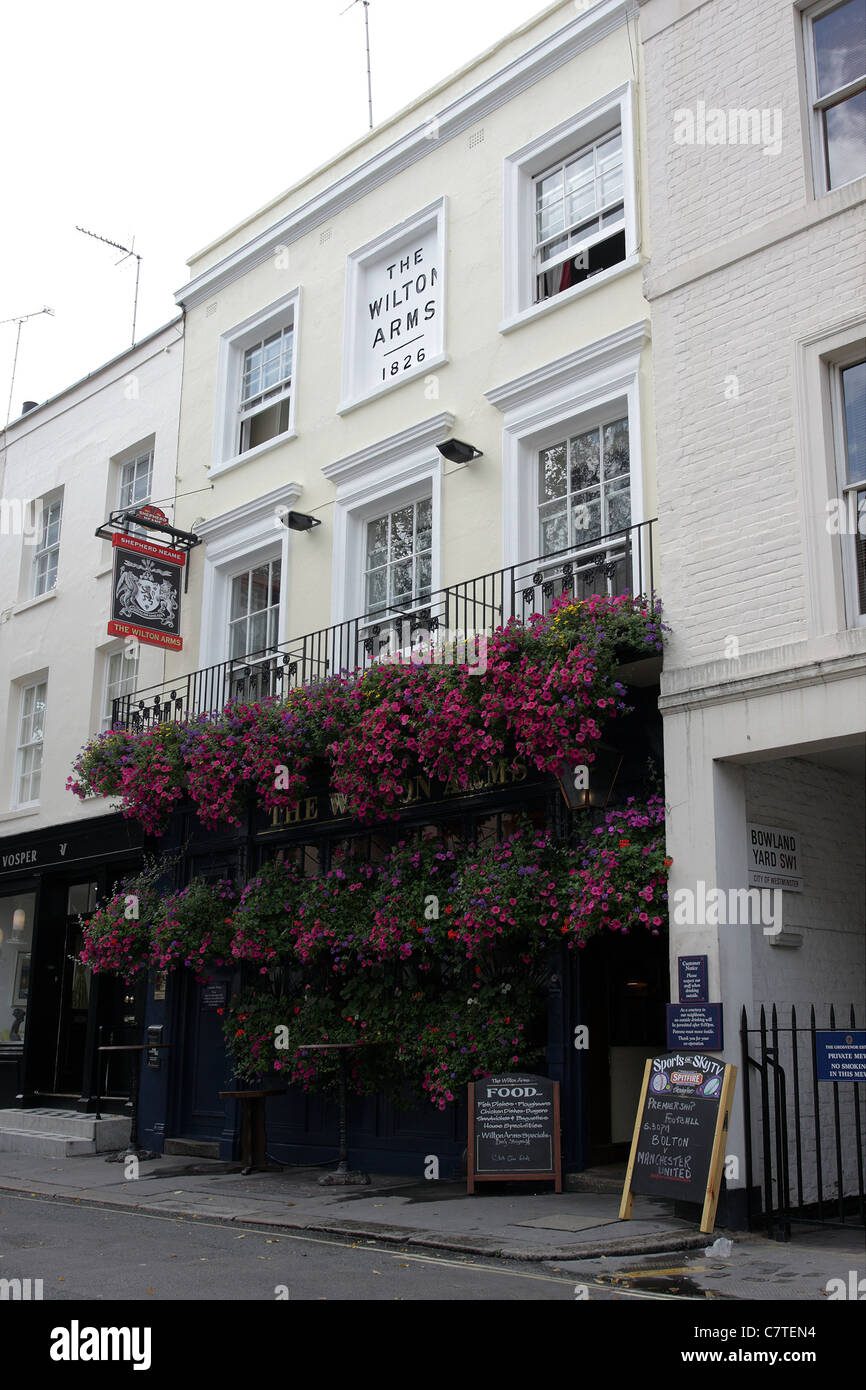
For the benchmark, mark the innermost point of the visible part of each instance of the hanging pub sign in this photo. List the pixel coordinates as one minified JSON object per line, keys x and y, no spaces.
{"x":678,"y":1147}
{"x":146,"y":581}
{"x":145,"y":594}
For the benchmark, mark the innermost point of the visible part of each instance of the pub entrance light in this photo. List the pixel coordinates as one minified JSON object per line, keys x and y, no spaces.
{"x":457,"y":451}
{"x":590,"y":785}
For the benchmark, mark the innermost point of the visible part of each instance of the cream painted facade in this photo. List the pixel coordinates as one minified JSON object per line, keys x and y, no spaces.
{"x":115,"y":429}
{"x":451,"y":177}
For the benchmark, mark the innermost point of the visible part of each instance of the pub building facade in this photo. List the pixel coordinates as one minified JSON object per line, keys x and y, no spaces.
{"x":375,"y":411}
{"x":428,"y":361}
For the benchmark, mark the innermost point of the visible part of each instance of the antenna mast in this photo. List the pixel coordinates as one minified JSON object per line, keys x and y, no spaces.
{"x":21,"y":319}
{"x":127,"y":251}
{"x":366,"y":4}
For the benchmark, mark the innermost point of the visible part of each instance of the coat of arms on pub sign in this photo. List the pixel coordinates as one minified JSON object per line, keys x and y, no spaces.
{"x":146,"y":597}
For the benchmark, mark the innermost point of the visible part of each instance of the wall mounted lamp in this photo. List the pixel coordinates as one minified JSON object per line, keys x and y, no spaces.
{"x":457,"y":451}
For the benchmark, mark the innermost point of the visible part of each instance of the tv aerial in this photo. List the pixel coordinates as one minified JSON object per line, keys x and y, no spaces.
{"x":366,"y":4}
{"x":127,"y":252}
{"x":20,"y":319}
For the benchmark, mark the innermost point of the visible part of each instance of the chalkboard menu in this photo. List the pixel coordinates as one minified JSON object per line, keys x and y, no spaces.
{"x":514,"y":1130}
{"x":678,"y":1145}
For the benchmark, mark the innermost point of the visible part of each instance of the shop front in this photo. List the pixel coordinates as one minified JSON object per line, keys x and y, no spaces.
{"x":52,"y":1007}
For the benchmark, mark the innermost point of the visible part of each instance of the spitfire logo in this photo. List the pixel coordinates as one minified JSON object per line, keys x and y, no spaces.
{"x":144,"y":590}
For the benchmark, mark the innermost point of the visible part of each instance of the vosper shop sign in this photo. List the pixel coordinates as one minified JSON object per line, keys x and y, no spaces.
{"x":774,"y":858}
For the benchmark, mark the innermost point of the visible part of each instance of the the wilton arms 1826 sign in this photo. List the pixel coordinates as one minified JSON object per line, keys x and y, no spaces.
{"x":146,"y":590}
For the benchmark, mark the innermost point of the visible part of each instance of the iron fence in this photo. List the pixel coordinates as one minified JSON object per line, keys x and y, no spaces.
{"x":807,"y":1162}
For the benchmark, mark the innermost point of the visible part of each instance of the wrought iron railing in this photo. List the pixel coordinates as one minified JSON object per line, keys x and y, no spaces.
{"x":617,"y":563}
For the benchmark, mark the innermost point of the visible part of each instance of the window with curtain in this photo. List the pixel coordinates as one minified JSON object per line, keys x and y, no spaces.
{"x":579,"y":216}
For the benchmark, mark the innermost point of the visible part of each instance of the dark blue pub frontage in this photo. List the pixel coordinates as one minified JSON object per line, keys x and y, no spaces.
{"x":616,"y":987}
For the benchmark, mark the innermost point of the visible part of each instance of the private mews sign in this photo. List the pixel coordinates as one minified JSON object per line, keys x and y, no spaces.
{"x":395,"y":307}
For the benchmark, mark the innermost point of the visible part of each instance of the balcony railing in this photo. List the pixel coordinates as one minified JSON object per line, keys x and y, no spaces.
{"x":617,"y":563}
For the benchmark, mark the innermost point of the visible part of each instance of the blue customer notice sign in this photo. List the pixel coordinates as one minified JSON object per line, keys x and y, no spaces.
{"x":841,"y":1054}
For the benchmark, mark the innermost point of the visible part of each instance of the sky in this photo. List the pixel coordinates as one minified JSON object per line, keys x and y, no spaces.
{"x":169,"y":123}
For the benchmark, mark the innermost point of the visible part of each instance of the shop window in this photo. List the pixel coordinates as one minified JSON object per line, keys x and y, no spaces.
{"x":16,"y":937}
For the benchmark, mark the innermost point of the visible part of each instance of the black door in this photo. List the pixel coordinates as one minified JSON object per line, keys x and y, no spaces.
{"x":624,"y":989}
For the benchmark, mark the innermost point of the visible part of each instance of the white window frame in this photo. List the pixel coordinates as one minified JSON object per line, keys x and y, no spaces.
{"x":132,"y":460}
{"x":417,"y":600}
{"x":595,"y":421}
{"x":234,"y":542}
{"x":268,"y":647}
{"x":520,"y":172}
{"x":108,"y":684}
{"x":830,"y":606}
{"x":398,"y":470}
{"x":230,"y":414}
{"x":575,"y":250}
{"x":594,"y":385}
{"x":46,"y":503}
{"x":850,"y":509}
{"x":355,"y":390}
{"x":22,"y":745}
{"x":816,"y":106}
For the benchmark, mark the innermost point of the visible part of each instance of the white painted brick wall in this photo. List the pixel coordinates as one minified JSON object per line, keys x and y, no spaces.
{"x":730,"y":54}
{"x":730,"y":528}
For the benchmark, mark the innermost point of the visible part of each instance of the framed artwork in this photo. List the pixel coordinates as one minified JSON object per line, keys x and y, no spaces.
{"x":21,"y":989}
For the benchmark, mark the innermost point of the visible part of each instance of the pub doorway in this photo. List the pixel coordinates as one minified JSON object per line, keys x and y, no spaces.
{"x":71,"y":1008}
{"x":623,"y":990}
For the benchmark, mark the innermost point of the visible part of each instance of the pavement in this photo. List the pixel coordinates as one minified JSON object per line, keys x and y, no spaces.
{"x":574,"y":1233}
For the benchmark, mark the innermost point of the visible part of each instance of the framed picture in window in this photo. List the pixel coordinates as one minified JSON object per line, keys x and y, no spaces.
{"x":21,"y":988}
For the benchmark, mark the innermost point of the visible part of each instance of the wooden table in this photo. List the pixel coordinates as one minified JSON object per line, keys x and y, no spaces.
{"x":253,"y":1135}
